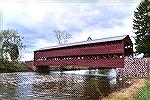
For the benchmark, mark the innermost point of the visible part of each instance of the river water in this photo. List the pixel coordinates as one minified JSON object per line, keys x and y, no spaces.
{"x":69,"y":85}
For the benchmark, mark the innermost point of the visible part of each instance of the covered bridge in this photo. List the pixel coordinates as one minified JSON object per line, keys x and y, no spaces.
{"x":99,"y":53}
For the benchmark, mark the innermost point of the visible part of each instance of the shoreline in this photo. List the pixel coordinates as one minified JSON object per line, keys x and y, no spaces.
{"x":129,"y":93}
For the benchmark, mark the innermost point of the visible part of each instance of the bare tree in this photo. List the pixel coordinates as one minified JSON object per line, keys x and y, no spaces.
{"x":12,"y":43}
{"x":62,"y":36}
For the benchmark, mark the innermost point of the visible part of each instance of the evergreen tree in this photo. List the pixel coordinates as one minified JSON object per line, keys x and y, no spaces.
{"x":141,"y":25}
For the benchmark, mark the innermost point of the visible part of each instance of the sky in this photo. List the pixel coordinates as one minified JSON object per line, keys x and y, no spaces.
{"x":35,"y":20}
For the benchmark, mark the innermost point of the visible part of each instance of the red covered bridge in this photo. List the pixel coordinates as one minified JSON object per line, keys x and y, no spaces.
{"x":100,"y":53}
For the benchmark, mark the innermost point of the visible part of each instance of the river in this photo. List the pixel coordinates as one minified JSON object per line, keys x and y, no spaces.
{"x":68,"y":85}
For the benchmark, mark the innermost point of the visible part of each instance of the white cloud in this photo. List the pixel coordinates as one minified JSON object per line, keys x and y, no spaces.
{"x":83,"y":20}
{"x":41,"y":43}
{"x":27,"y":56}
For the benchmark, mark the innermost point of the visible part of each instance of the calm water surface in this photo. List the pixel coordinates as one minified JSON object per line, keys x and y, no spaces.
{"x":70,"y":85}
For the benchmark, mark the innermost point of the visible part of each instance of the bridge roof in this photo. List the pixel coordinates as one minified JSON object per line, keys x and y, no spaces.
{"x":108,"y":39}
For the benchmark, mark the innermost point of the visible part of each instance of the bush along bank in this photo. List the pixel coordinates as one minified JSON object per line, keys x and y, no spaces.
{"x":13,"y":66}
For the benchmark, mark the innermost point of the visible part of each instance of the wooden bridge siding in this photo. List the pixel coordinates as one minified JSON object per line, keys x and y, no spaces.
{"x":105,"y":49}
{"x":106,"y":63}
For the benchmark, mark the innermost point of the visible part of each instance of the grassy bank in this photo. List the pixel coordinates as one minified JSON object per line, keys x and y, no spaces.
{"x":139,"y":90}
{"x":144,"y":93}
{"x":129,"y":93}
{"x":13,"y":66}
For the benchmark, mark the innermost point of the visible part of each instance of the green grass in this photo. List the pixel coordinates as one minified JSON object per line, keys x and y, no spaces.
{"x":144,"y":93}
{"x":10,"y":66}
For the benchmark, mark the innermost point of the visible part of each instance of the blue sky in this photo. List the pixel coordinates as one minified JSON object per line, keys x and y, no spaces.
{"x":35,"y":20}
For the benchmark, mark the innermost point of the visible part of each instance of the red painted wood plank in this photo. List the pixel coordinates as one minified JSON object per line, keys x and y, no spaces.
{"x":95,"y":63}
{"x":106,"y":49}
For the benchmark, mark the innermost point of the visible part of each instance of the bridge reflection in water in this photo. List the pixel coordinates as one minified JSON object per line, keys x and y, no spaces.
{"x":55,"y":85}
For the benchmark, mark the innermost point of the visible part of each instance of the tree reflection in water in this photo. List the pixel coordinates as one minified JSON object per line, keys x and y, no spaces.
{"x":96,"y":87}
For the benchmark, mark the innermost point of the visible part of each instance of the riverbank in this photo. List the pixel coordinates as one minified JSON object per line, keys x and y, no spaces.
{"x":13,"y":66}
{"x":144,"y":93}
{"x":135,"y":92}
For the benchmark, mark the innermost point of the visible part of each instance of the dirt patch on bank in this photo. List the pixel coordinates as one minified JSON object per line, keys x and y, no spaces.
{"x":129,"y":93}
